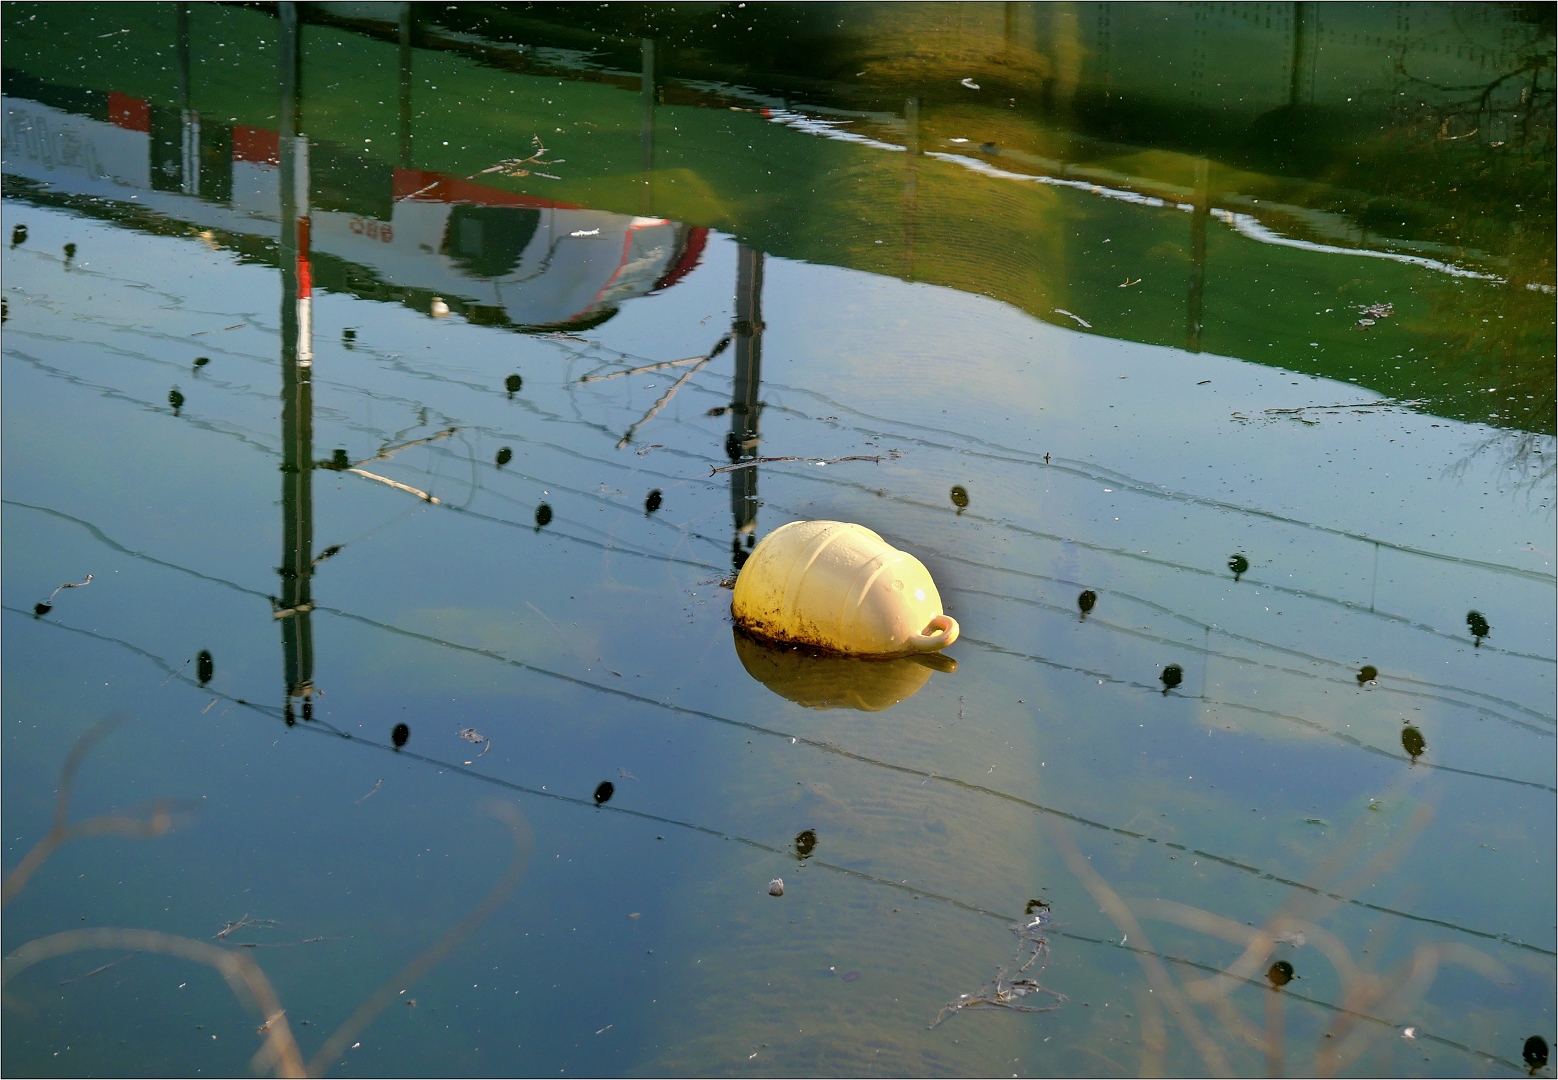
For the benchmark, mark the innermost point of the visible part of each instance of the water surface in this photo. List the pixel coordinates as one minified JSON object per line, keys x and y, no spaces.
{"x":386,"y":358}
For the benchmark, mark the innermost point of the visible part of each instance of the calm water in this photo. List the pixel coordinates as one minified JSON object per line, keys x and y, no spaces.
{"x":374,"y":364}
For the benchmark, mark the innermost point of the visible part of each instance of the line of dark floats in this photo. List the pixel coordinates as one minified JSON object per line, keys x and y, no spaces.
{"x":325,"y":728}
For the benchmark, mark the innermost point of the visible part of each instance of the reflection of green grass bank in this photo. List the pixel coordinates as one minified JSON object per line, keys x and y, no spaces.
{"x":1125,"y":269}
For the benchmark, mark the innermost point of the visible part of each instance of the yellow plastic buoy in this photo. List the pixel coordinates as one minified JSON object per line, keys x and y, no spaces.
{"x":816,"y":680}
{"x":842,"y":588}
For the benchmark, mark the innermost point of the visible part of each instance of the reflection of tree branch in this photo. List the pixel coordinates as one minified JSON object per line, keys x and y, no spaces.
{"x":435,"y":953}
{"x":159,"y":821}
{"x":243,"y":975}
{"x":1531,"y":456}
{"x":1154,"y":1035}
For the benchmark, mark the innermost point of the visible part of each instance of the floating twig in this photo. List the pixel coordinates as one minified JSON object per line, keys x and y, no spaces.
{"x":44,"y":607}
{"x":815,"y":461}
{"x":99,"y":971}
{"x":471,"y":735}
{"x":286,"y":613}
{"x":516,"y":166}
{"x":1004,"y":992}
{"x":397,"y":485}
{"x":1330,"y":410}
{"x":176,"y":674}
{"x":283,"y":944}
{"x":221,"y":934}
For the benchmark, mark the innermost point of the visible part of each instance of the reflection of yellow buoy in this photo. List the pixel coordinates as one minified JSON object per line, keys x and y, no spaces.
{"x":842,"y":588}
{"x":823,"y":681}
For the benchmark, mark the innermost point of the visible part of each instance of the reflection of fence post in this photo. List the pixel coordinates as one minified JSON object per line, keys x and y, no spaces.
{"x":742,"y":441}
{"x":405,"y":86}
{"x":911,"y":181}
{"x":1198,"y":216}
{"x":297,"y":403}
{"x":646,"y":122}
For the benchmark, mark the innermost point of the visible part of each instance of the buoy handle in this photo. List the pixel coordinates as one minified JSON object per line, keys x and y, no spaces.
{"x":938,"y":634}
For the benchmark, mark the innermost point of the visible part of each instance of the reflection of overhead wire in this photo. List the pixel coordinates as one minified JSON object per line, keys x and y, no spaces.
{"x":1189,"y":647}
{"x":1105,"y":677}
{"x":1136,"y":556}
{"x":815,"y":744}
{"x":898,"y":885}
{"x":1142,"y":487}
{"x":471,"y":449}
{"x":1147,"y":636}
{"x":111,"y":392}
{"x":1307,"y":594}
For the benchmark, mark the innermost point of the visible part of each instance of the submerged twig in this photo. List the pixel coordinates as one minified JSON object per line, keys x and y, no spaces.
{"x":1163,"y":985}
{"x":61,"y":832}
{"x":430,"y":957}
{"x":243,"y":975}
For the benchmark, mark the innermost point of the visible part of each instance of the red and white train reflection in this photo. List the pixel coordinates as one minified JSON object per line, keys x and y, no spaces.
{"x":496,"y":256}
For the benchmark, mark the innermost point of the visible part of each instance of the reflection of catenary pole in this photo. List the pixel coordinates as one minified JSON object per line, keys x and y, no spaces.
{"x":297,"y":402}
{"x":742,"y":441}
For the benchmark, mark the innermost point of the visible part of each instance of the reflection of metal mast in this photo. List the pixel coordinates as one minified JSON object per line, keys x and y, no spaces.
{"x":189,"y":119}
{"x":742,"y":441}
{"x":297,"y":400}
